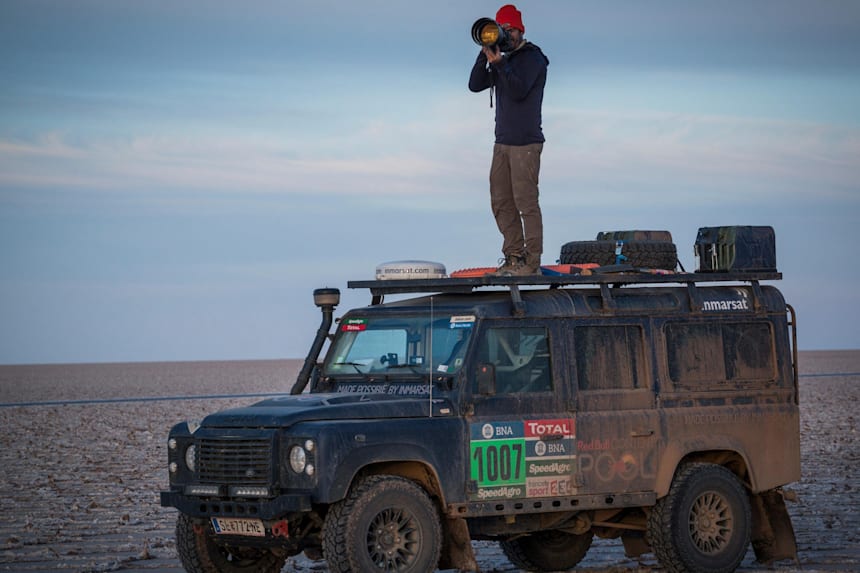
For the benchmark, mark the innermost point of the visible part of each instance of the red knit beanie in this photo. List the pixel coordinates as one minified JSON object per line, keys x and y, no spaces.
{"x":508,"y":14}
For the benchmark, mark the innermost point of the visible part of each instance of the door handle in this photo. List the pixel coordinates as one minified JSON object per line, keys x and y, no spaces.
{"x":641,"y":433}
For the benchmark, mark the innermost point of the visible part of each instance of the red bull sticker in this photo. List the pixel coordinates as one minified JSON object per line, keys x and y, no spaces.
{"x":517,"y":459}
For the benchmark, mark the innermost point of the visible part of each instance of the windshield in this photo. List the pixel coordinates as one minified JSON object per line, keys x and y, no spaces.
{"x":405,"y":344}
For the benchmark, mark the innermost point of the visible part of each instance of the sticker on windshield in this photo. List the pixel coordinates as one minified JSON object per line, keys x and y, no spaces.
{"x":462,"y":321}
{"x":528,"y":458}
{"x":354,"y":325}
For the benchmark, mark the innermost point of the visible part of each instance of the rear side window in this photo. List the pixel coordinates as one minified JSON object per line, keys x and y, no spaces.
{"x":609,"y":357}
{"x":710,"y":354}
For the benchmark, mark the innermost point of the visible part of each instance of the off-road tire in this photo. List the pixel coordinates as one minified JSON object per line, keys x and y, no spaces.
{"x":547,"y":550}
{"x":640,"y":254}
{"x":703,"y":524}
{"x":200,"y":554}
{"x":386,"y":523}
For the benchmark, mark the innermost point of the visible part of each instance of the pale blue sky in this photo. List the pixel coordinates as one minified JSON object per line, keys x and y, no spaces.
{"x":177,"y":177}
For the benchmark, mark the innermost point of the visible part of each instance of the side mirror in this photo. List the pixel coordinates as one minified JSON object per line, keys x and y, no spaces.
{"x":317,"y":384}
{"x":486,"y":379}
{"x":315,"y":377}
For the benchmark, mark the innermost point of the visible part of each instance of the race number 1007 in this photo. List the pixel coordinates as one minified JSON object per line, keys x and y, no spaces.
{"x":498,"y":462}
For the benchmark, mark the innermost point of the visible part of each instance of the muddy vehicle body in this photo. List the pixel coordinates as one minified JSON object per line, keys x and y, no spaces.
{"x":537,"y":411}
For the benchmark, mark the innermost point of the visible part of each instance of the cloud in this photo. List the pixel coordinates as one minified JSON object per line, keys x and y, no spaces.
{"x":204,"y":163}
{"x":722,"y":156}
{"x":699,"y":157}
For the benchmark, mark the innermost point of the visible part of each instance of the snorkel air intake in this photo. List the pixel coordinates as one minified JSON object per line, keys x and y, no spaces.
{"x":326,"y":299}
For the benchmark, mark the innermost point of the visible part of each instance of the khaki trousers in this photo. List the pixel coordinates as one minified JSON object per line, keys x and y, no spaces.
{"x":514,"y":197}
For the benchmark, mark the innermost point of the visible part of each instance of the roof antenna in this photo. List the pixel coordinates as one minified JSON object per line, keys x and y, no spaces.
{"x":430,"y":377}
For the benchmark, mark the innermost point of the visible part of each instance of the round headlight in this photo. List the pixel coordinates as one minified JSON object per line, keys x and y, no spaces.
{"x":191,"y":457}
{"x":298,"y":459}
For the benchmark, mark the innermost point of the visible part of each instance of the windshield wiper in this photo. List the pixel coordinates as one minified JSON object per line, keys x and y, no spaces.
{"x":353,"y":364}
{"x":365,"y":375}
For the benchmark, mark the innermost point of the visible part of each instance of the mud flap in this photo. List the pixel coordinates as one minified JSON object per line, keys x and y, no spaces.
{"x":457,"y":552}
{"x":635,"y":544}
{"x":772,"y":533}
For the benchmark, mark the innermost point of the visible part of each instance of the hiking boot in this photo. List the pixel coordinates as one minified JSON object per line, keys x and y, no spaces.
{"x":525,"y":266}
{"x":507,"y":265}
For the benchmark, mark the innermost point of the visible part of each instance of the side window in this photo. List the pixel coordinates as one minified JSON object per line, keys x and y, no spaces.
{"x":749,"y":351}
{"x":708,"y":355}
{"x":609,"y":357}
{"x":520,"y":356}
{"x":695,"y":352}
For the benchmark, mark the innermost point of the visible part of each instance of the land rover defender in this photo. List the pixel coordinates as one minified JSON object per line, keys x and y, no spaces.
{"x":661,"y":409}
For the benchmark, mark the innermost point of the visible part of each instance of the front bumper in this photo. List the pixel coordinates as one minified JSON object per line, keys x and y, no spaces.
{"x":272,"y":508}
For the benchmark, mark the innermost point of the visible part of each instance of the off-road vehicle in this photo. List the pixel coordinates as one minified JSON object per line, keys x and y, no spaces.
{"x":661,"y":409}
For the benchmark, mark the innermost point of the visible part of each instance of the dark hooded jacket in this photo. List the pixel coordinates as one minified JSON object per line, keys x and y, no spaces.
{"x":518,"y":81}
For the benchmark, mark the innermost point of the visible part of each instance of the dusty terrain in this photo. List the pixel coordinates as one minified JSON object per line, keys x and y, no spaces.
{"x":81,"y":470}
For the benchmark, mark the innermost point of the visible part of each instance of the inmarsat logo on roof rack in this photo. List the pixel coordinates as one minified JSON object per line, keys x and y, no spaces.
{"x":410,"y":270}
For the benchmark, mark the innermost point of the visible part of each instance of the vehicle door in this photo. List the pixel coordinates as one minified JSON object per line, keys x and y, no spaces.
{"x":617,"y":425}
{"x":521,"y":438}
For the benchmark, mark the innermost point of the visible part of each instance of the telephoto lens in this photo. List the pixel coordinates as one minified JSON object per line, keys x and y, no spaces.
{"x":487,"y":32}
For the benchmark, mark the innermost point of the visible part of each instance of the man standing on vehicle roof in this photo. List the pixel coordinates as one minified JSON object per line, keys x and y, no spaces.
{"x":518,"y":76}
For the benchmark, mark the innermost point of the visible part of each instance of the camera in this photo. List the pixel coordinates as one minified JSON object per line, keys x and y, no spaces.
{"x":487,"y":32}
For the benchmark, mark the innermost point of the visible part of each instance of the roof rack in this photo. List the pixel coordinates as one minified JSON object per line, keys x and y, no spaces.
{"x":380,"y":288}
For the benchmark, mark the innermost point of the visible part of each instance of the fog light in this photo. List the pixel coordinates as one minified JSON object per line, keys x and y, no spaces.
{"x":173,"y":467}
{"x":310,"y":470}
{"x":249,"y":491}
{"x":171,"y":443}
{"x":309,"y":445}
{"x":191,"y":457}
{"x":298,"y":459}
{"x":204,"y":490}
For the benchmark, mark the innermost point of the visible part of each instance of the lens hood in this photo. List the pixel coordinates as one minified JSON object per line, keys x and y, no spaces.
{"x":487,"y":32}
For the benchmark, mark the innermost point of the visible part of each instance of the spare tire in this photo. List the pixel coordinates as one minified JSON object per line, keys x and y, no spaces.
{"x":637,"y":235}
{"x":640,"y":254}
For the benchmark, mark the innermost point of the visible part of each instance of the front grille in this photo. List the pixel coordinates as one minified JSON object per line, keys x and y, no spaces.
{"x":235,"y":461}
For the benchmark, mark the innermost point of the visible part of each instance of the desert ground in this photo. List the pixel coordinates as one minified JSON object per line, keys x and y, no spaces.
{"x":83,"y":450}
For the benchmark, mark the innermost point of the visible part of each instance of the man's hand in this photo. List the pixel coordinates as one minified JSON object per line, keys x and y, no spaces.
{"x":494,"y":55}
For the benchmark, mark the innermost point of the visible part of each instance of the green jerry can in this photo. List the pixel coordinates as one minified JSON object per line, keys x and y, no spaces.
{"x":736,"y":248}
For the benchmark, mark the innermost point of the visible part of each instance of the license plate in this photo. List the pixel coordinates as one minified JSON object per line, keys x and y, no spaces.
{"x":237,"y":526}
